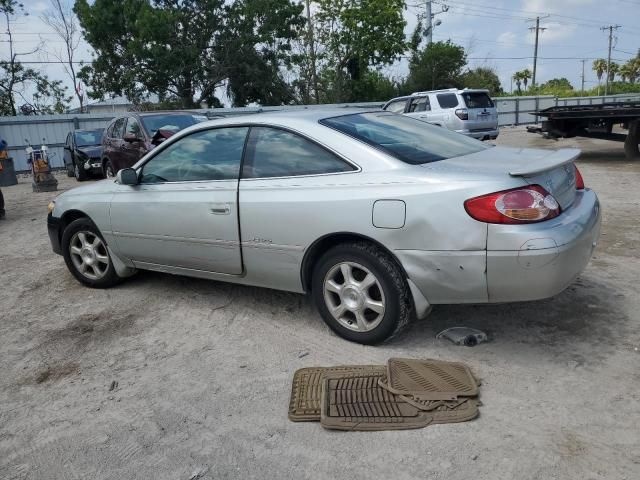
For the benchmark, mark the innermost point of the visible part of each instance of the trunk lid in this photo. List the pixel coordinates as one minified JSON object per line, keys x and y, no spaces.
{"x":551,"y":169}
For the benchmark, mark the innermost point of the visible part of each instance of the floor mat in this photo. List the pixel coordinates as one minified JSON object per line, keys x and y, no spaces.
{"x":447,"y":411}
{"x":356,"y":401}
{"x":304,"y":405}
{"x":429,"y":380}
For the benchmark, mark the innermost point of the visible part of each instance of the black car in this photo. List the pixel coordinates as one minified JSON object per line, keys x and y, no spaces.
{"x":83,"y":153}
{"x":1,"y":205}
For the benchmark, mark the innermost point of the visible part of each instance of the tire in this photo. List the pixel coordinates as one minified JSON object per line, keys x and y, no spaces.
{"x":107,"y":169}
{"x":352,"y":318}
{"x":79,"y":172}
{"x":77,"y":251}
{"x":2,"y":213}
{"x":70,"y":172}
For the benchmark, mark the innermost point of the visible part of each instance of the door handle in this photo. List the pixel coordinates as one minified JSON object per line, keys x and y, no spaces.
{"x":220,"y":210}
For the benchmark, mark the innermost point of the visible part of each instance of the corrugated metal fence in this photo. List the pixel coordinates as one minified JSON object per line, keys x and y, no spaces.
{"x":53,"y":129}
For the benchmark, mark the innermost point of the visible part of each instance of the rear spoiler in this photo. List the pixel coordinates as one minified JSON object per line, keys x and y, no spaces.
{"x":556,"y":159}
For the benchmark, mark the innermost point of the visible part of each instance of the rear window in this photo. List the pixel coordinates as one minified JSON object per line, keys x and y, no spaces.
{"x":477,"y":100}
{"x":172,"y":123}
{"x":405,"y":138}
{"x":447,"y":100}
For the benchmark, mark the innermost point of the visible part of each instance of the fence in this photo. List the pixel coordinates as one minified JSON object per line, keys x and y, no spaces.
{"x":53,"y":129}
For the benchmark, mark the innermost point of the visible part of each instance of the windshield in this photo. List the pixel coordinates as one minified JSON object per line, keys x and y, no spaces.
{"x":477,"y":100}
{"x":172,"y":123}
{"x":407,"y":139}
{"x":87,"y":138}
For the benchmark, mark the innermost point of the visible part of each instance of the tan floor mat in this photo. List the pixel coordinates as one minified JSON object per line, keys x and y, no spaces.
{"x":356,"y":401}
{"x":427,"y":380}
{"x":447,"y":411}
{"x":304,"y":405}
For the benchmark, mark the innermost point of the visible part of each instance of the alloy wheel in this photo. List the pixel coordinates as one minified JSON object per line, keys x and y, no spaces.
{"x":89,"y":255}
{"x":354,"y":297}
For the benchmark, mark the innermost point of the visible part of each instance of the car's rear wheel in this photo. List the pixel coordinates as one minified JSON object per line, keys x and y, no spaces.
{"x":107,"y":169}
{"x":361,"y":293}
{"x":86,"y":255}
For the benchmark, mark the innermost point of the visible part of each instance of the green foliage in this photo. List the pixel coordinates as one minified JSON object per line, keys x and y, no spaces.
{"x":438,"y":65}
{"x":356,"y":34}
{"x":559,"y":87}
{"x":482,"y":77}
{"x":188,"y":49}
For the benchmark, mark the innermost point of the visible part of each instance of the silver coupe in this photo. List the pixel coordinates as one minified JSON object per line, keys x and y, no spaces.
{"x":376,"y":215}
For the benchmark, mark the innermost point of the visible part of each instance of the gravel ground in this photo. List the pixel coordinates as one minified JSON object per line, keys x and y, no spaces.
{"x":167,"y":377}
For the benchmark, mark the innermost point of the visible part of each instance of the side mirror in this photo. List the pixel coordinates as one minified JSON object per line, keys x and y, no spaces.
{"x":127,"y":176}
{"x":131,"y":138}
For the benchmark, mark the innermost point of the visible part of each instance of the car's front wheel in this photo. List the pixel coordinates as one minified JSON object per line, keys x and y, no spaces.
{"x":361,"y":293}
{"x":86,"y":255}
{"x":79,"y":172}
{"x":107,"y":169}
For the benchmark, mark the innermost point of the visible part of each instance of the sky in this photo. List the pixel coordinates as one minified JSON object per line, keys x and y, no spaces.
{"x":495,"y":33}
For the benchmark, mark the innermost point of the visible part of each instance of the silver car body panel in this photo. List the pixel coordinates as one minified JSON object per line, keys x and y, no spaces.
{"x":448,"y":256}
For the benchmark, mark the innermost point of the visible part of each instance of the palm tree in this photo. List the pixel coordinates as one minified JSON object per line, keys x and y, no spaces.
{"x":526,"y":75}
{"x":630,"y":70}
{"x":614,"y":68}
{"x":517,"y":77}
{"x":599,"y":66}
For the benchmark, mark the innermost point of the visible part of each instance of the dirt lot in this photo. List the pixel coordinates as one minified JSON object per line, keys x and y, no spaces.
{"x":203,"y":369}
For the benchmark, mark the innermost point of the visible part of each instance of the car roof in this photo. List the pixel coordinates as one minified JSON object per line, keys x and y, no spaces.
{"x":290,"y":118}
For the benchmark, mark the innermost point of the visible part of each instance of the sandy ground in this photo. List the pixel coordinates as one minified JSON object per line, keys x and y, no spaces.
{"x":203,"y":369}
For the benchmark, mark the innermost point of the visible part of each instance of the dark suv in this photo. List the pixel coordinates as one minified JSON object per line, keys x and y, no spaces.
{"x":129,"y":137}
{"x":83,"y":153}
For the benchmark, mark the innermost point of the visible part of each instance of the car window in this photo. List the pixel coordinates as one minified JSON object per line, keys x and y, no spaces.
{"x":206,"y":155}
{"x":419,"y":104}
{"x":406,"y":138}
{"x":396,"y":106}
{"x":477,"y":100}
{"x":118,"y":128}
{"x":133,"y":128}
{"x":86,"y":138}
{"x":272,"y":152}
{"x":447,"y":100}
{"x":172,"y":123}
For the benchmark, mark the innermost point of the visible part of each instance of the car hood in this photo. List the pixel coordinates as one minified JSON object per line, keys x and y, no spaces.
{"x":102,"y":186}
{"x":91,"y":151}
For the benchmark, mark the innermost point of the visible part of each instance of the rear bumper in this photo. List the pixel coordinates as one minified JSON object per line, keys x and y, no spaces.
{"x":53,"y":227}
{"x":545,"y":258}
{"x":481,"y":135}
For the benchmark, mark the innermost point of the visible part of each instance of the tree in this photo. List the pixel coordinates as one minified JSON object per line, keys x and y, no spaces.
{"x":482,"y":77}
{"x":16,"y":81}
{"x":557,"y":83}
{"x":438,"y":65}
{"x":526,"y":75}
{"x":188,"y":49}
{"x":614,"y":68}
{"x":517,"y":77}
{"x":356,"y":34}
{"x":61,"y":19}
{"x":599,"y":66}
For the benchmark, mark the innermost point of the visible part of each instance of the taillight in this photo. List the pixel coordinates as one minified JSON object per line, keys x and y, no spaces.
{"x":462,"y":113}
{"x":579,"y":180}
{"x":519,"y":205}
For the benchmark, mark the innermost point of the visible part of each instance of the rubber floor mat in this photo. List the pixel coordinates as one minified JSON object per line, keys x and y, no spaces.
{"x":306,"y":390}
{"x":447,"y":411}
{"x":356,"y":401}
{"x":429,"y":379}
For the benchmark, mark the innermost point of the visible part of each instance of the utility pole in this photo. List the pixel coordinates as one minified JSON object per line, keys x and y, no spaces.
{"x":537,"y":28}
{"x":429,"y":17}
{"x":582,"y":88}
{"x":611,"y":28}
{"x":312,"y":52}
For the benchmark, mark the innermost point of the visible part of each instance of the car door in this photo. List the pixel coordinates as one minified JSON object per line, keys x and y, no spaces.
{"x":133,"y":147}
{"x":420,"y":108}
{"x":184,"y":211}
{"x":115,"y":144}
{"x":68,"y":156}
